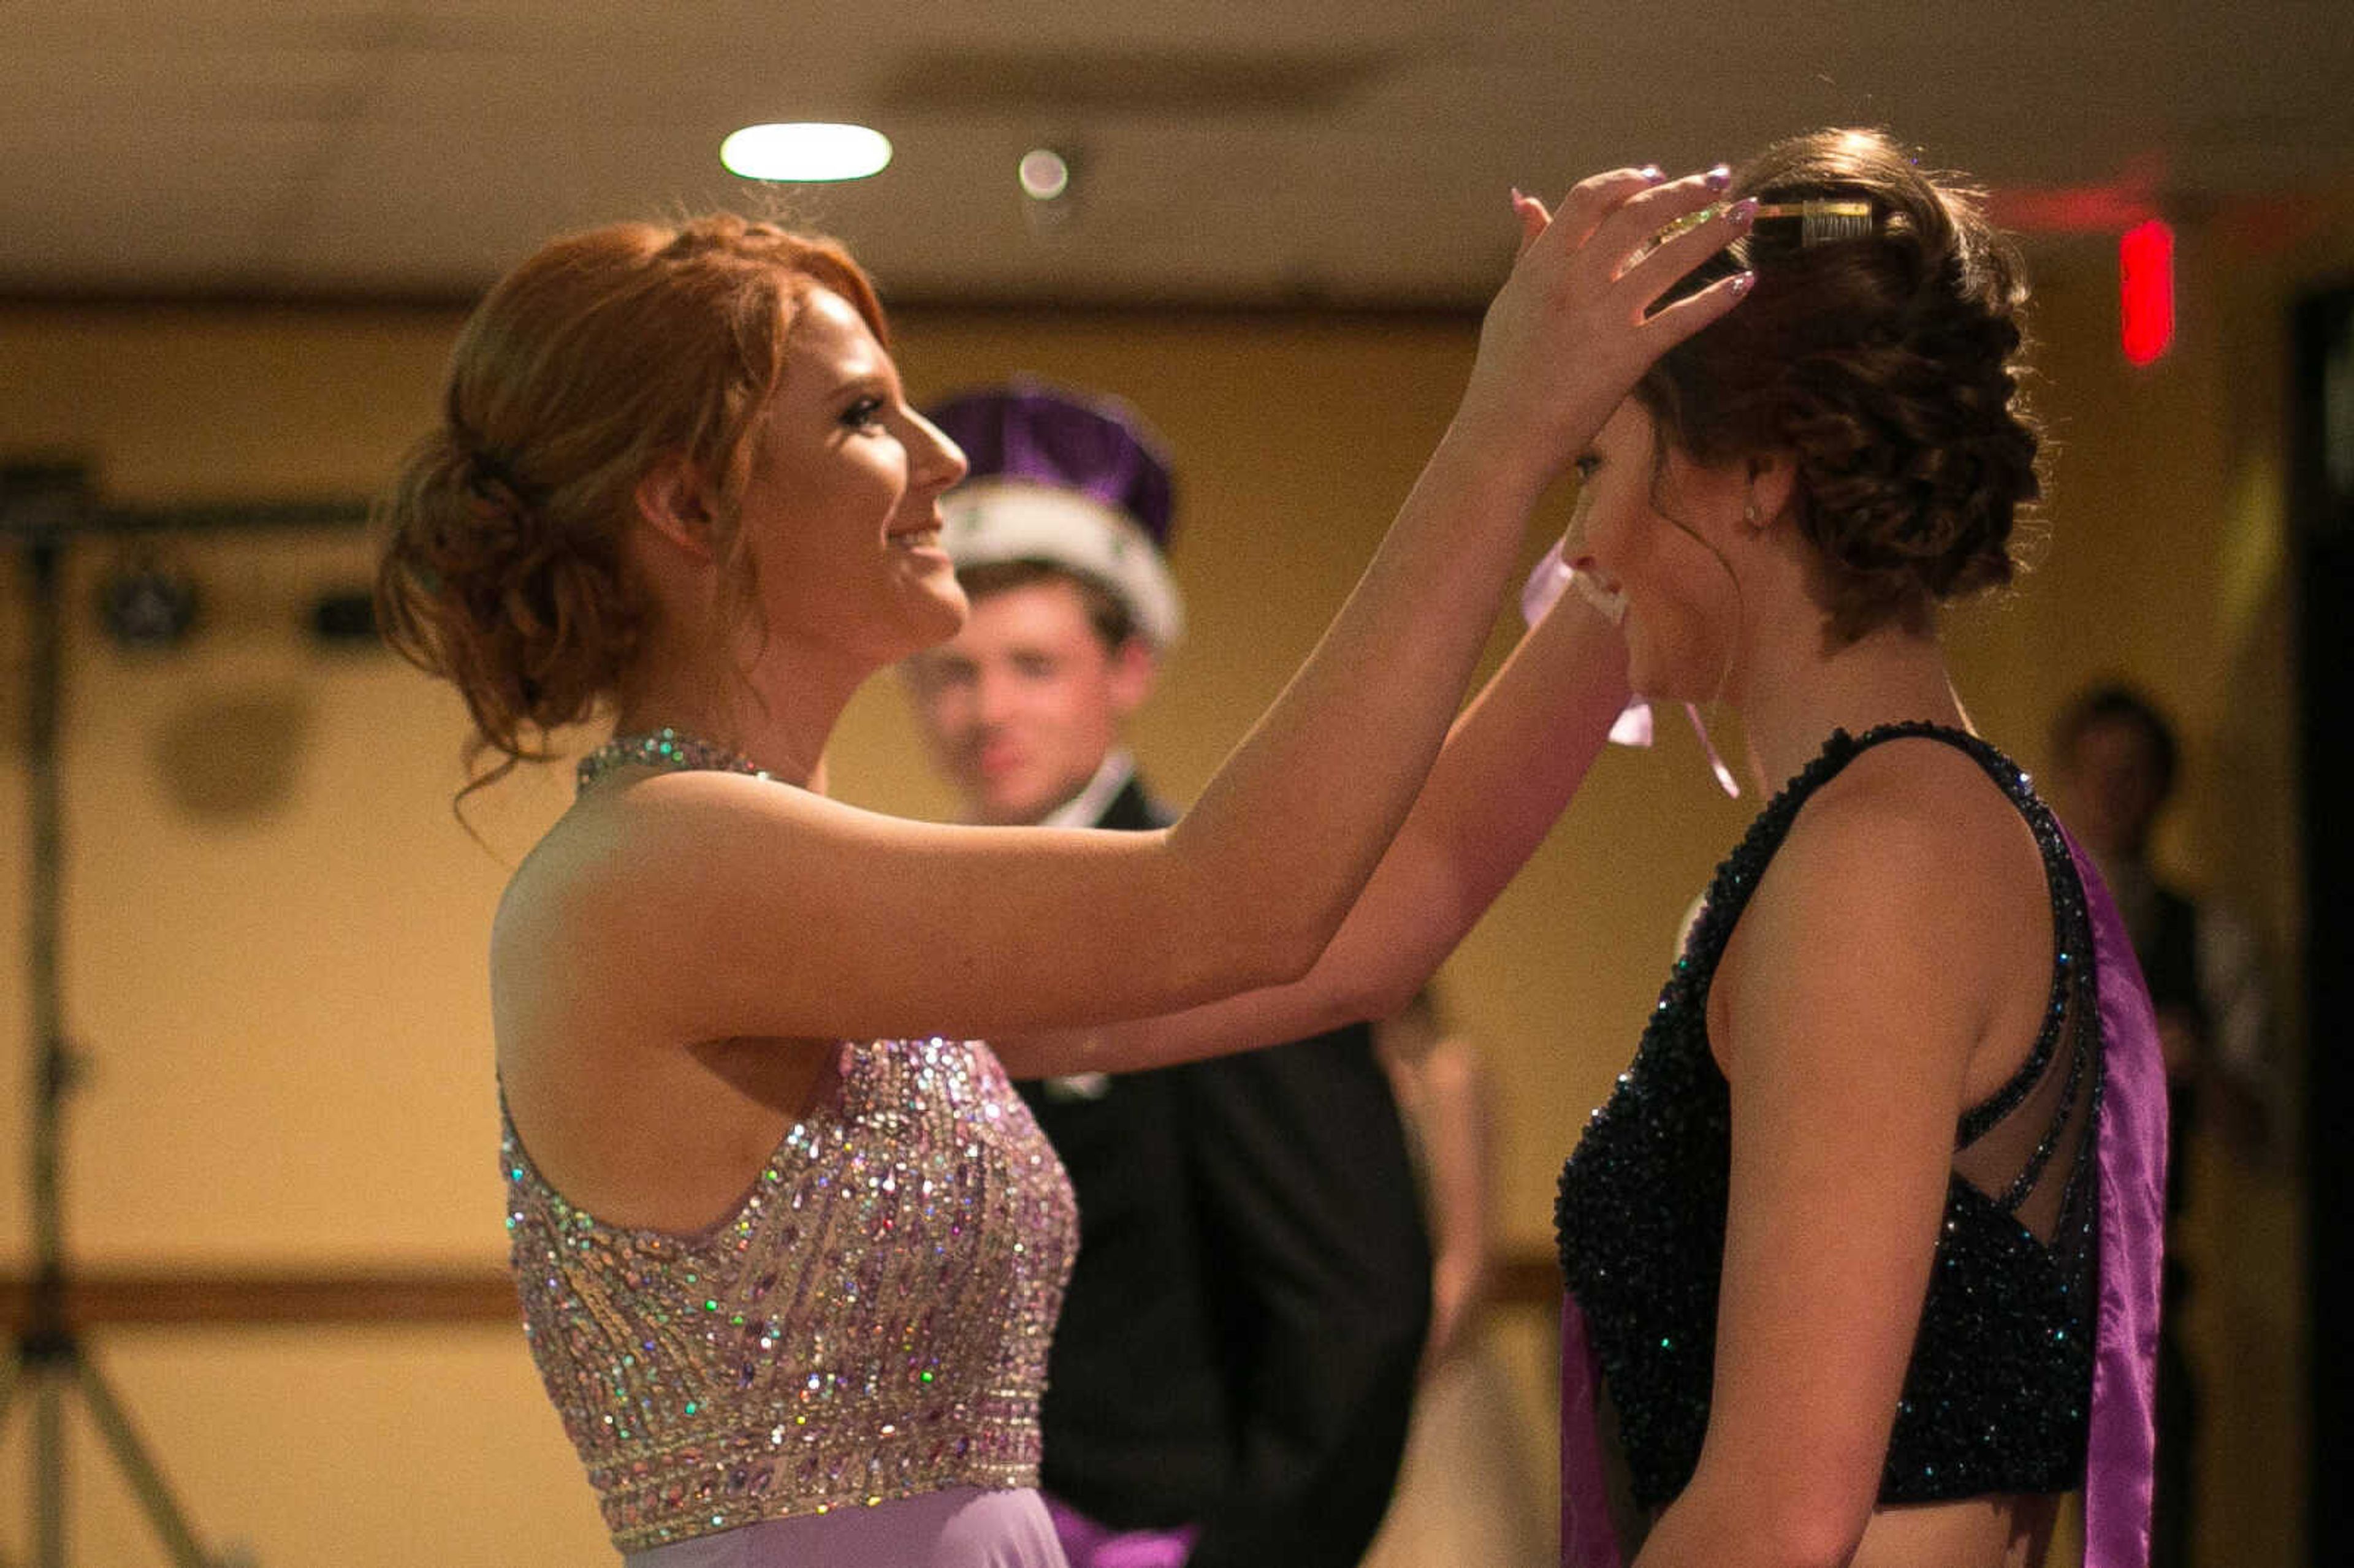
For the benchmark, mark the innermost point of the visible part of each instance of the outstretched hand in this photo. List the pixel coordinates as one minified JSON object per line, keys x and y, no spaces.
{"x":1574,"y":328}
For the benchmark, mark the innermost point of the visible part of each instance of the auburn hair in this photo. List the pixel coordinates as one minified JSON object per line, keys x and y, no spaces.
{"x":503,"y":571}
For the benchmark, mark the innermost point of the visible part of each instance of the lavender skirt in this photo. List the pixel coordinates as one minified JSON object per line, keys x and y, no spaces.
{"x":963,"y":1526}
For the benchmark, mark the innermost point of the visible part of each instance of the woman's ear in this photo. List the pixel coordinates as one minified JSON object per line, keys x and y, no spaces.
{"x":676,"y":503}
{"x":1773,"y":484}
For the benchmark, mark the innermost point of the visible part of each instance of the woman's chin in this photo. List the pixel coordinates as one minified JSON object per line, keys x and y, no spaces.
{"x":1656,"y":686}
{"x":940,"y":613}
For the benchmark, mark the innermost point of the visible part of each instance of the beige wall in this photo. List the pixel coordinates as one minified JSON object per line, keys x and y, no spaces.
{"x":276,"y":931}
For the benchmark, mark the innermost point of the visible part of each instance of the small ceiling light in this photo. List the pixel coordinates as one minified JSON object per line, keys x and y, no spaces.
{"x":1044,"y":174}
{"x":805,"y":153}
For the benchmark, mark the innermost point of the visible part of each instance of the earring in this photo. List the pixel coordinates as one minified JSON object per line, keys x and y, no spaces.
{"x":1749,"y":513}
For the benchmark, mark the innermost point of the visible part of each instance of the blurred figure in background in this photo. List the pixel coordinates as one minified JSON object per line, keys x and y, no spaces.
{"x":2116,"y":761}
{"x":1469,"y":1492}
{"x":1252,"y":1220}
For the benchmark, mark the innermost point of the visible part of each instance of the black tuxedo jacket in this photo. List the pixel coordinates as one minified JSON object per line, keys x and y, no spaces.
{"x":1238,"y":1347}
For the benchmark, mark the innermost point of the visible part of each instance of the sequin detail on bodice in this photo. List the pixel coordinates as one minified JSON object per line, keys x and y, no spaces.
{"x":1998,"y":1393}
{"x":871,"y":1322}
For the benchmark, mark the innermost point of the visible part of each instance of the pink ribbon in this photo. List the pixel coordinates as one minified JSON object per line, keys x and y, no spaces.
{"x":1092,"y":1545}
{"x":1542,"y":588}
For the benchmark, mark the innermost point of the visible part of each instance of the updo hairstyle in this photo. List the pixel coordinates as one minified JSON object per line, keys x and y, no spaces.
{"x":1886,"y":364}
{"x":504,"y":572}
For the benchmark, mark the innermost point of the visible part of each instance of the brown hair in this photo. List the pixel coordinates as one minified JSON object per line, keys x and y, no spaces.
{"x":1107,"y":614}
{"x":504,"y":572}
{"x":1887,"y":364}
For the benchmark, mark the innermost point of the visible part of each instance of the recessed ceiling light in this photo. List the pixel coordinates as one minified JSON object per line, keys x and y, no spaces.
{"x":805,"y":152}
{"x":1045,"y":174}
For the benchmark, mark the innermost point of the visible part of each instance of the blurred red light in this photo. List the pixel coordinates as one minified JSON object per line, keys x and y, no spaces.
{"x":2146,"y":291}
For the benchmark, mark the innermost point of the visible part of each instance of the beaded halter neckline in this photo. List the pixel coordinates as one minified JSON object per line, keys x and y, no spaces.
{"x":666,"y":748}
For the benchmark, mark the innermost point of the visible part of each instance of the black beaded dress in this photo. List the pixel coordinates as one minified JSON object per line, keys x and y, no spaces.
{"x":1999,"y":1391}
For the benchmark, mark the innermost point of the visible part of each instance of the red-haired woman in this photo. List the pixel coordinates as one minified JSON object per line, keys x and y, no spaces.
{"x":788,"y":1246}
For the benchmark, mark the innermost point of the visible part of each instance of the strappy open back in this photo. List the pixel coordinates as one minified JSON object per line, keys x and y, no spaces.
{"x":1997,"y":1394}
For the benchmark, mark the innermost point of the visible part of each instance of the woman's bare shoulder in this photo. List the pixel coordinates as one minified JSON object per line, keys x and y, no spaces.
{"x":583,"y":922}
{"x":1904,"y":893}
{"x":1921,"y":821}
{"x":641,"y":840}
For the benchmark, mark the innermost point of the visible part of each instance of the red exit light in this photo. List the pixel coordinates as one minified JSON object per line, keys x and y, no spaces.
{"x":2146,"y":291}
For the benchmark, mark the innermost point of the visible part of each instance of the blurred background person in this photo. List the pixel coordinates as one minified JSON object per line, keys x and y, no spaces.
{"x":1254,"y":1219}
{"x":1469,"y":1491}
{"x":2115,"y":764}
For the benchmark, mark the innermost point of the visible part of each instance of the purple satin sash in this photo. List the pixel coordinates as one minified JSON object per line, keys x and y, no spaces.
{"x":2131,"y":1160}
{"x":1588,"y":1538}
{"x":2123,"y":1440}
{"x":1091,"y":1546}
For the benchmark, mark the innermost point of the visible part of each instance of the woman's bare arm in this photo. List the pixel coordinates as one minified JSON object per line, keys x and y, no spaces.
{"x":1509,"y":766}
{"x":693,"y":905}
{"x":1847,"y":1012}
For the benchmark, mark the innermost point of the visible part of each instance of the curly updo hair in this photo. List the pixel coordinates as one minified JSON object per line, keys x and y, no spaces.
{"x":1885,"y":362}
{"x":504,"y":571}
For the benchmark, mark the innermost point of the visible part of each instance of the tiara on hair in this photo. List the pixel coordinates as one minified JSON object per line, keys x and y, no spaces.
{"x":1820,"y":219}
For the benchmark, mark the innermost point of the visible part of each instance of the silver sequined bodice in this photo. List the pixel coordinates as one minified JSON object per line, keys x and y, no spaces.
{"x":871,"y":1323}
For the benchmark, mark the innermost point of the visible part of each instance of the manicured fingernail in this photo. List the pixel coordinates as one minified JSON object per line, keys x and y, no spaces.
{"x":1743,"y":282}
{"x":1717,"y":178}
{"x":1742,"y":210}
{"x":1652,"y":173}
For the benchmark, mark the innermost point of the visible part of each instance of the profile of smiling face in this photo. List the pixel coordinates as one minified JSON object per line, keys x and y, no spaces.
{"x":640,"y":362}
{"x":1682,"y":545}
{"x":838,"y":512}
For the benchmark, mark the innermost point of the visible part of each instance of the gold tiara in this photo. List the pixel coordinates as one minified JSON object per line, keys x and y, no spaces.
{"x":1820,"y":220}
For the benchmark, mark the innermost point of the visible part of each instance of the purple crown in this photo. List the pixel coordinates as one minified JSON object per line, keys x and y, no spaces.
{"x":1097,"y":446}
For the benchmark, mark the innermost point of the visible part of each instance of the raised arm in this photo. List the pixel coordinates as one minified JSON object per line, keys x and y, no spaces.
{"x":1509,"y":766}
{"x":709,"y":905}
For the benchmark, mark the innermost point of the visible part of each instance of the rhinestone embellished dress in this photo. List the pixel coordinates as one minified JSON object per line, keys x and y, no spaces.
{"x":869,"y":1324}
{"x":1996,"y":1396}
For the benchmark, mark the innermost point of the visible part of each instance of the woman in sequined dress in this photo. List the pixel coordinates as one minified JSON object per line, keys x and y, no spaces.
{"x":788,"y":1248}
{"x":1861,"y":1249}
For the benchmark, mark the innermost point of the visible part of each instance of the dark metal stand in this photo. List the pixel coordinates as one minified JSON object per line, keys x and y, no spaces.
{"x":42,"y":509}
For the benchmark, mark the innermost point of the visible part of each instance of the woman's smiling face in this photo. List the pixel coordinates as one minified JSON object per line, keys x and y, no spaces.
{"x":841,"y":506}
{"x":1649,"y":525}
